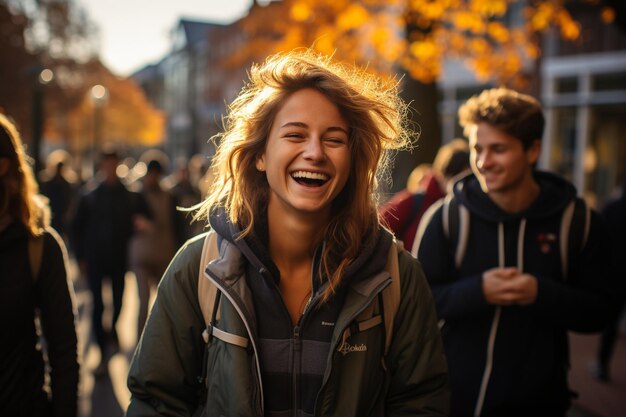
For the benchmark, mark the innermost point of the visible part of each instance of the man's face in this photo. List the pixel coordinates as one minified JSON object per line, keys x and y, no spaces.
{"x":500,"y":162}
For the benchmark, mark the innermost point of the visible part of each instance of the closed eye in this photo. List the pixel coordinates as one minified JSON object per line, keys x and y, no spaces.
{"x":293,"y":135}
{"x":336,"y":141}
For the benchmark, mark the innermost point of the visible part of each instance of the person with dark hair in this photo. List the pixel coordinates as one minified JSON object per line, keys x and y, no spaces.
{"x":106,"y":217}
{"x":301,"y":255}
{"x":34,"y":287}
{"x":404,"y":211}
{"x":515,"y":260}
{"x":615,"y":215}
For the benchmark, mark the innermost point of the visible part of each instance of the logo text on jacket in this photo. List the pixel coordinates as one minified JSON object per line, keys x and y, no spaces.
{"x":348,"y":348}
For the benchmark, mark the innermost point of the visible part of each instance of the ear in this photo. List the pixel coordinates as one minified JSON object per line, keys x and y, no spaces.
{"x":5,"y":163}
{"x":533,"y":152}
{"x":260,"y":163}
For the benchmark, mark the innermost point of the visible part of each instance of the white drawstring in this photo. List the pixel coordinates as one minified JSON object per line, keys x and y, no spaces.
{"x":496,"y":318}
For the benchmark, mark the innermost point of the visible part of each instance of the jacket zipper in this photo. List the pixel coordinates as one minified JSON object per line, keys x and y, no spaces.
{"x":297,"y":347}
{"x":226,"y":292}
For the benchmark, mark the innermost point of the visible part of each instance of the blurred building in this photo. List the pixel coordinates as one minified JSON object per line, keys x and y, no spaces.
{"x":191,"y":84}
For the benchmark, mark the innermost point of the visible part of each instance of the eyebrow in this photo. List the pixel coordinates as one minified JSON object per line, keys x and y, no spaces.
{"x":304,"y":125}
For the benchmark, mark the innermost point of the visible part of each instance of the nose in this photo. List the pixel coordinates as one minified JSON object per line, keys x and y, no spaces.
{"x":313,"y":149}
{"x":483,"y":160}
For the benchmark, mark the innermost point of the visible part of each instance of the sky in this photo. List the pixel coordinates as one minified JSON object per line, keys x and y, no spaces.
{"x":134,"y":33}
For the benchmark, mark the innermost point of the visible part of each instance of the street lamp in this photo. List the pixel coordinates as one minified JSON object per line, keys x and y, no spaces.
{"x":99,"y":95}
{"x":44,"y":77}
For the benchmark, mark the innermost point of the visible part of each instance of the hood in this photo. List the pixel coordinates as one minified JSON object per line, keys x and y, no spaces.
{"x":555,"y":193}
{"x":372,"y":257}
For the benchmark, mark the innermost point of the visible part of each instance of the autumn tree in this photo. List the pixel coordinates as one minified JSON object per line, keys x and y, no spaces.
{"x":58,"y":35}
{"x":125,"y":114}
{"x":495,"y":39}
{"x":16,"y":65}
{"x":57,"y":29}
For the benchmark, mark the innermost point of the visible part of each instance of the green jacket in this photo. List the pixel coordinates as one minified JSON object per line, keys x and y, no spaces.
{"x":163,"y":379}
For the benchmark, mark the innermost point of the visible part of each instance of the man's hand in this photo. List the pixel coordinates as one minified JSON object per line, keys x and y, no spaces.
{"x":507,"y":286}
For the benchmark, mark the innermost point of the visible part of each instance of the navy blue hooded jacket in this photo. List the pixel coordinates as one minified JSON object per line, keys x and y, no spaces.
{"x":513,"y":360}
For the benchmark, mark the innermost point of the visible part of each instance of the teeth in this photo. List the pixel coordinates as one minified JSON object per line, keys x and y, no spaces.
{"x":310,"y":175}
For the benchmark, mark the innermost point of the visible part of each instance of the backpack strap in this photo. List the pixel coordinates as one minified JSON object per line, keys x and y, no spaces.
{"x":456,"y":222}
{"x":391,"y":295}
{"x":206,"y":291}
{"x":575,"y":224}
{"x":209,"y":297}
{"x":35,"y":255}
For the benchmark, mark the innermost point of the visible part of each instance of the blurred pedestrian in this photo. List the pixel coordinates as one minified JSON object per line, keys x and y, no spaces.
{"x":58,"y":183}
{"x":187,"y":195}
{"x":403,"y":213}
{"x":615,"y":215}
{"x":515,"y":261}
{"x":152,"y":249}
{"x":106,"y":217}
{"x":301,"y":255}
{"x":36,"y":295}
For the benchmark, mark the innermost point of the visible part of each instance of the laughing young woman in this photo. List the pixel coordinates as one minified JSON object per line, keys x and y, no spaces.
{"x":301,"y":254}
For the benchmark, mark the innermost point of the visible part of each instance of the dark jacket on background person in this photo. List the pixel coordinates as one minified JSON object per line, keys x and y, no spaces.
{"x":60,"y":193}
{"x":523,"y":368}
{"x":22,"y":366}
{"x":285,"y":367}
{"x":103,"y":223}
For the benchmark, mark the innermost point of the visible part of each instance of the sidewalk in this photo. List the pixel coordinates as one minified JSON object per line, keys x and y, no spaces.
{"x":595,"y":398}
{"x":106,"y":396}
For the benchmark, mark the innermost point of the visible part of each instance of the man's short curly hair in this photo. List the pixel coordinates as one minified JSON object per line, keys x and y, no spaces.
{"x":518,"y":115}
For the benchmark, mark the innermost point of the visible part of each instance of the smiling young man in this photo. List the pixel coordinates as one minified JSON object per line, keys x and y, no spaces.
{"x":494,"y":255}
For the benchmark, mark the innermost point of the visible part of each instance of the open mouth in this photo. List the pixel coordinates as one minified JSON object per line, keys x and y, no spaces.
{"x":310,"y":179}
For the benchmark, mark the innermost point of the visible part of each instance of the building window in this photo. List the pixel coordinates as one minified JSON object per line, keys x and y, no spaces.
{"x":566,"y":85}
{"x":563,"y":152}
{"x":609,"y":82}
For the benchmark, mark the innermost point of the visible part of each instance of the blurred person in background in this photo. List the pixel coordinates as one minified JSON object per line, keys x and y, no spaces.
{"x":403,"y":213}
{"x":59,"y":184}
{"x":187,"y":195}
{"x":107,"y":216}
{"x":152,"y":248}
{"x":35,"y":295}
{"x":615,"y":215}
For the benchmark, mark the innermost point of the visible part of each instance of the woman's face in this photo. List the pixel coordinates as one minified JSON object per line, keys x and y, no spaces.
{"x":307,"y":155}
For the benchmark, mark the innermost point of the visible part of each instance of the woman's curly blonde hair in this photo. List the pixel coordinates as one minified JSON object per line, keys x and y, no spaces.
{"x":375,"y":114}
